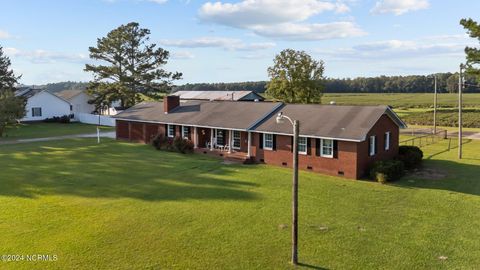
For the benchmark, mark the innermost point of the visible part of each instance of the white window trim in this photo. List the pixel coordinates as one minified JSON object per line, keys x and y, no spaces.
{"x":183,"y":132}
{"x":40,"y":110}
{"x":264,"y":140}
{"x":239,"y":139}
{"x":306,"y":146}
{"x":321,"y":149}
{"x":372,"y":143}
{"x":387,"y":141}
{"x":168,"y":131}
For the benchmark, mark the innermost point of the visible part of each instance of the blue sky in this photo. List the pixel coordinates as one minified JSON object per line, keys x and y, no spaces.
{"x":227,"y":41}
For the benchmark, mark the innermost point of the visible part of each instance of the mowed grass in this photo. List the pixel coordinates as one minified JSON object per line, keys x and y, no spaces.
{"x":42,"y":130}
{"x":126,"y":206}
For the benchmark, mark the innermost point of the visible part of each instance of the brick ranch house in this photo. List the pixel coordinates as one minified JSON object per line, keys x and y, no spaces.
{"x":335,"y":140}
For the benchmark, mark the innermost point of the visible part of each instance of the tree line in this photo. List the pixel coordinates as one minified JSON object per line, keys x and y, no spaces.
{"x":446,"y":83}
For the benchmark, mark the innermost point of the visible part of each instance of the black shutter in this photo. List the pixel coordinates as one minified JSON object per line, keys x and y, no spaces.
{"x":274,"y":142}
{"x":33,"y":113}
{"x":291,"y":144}
{"x":260,"y":144}
{"x":309,"y":146}
{"x":166,"y":131}
{"x":369,"y":145}
{"x":335,"y":149}
{"x":376,"y":145}
{"x":317,"y":147}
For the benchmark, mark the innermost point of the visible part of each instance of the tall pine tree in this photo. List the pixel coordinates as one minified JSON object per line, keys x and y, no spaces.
{"x":473,"y":54}
{"x":12,"y":108}
{"x":131,"y":67}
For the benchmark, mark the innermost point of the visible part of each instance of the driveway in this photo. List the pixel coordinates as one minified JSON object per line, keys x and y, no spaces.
{"x":110,"y":134}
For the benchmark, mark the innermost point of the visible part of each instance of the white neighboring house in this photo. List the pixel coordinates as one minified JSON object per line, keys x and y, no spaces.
{"x":42,"y":104}
{"x":79,"y":101}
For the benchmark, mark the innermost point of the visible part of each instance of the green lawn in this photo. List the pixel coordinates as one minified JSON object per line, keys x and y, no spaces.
{"x":41,"y":130}
{"x":126,"y":206}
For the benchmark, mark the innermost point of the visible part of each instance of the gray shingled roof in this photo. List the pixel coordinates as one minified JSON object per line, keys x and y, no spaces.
{"x":69,"y":94}
{"x":217,"y":95}
{"x":329,"y":121}
{"x":222,"y":114}
{"x":324,"y":121}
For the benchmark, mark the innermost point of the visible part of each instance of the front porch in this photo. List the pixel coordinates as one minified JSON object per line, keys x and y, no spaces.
{"x":233,"y":156}
{"x":232,"y":145}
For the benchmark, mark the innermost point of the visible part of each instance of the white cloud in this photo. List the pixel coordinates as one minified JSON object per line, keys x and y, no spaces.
{"x":158,"y":1}
{"x":218,"y":42}
{"x":399,"y":7}
{"x":4,"y":35}
{"x":314,"y":31}
{"x":182,"y":55}
{"x":43,"y":56}
{"x":283,"y":19}
{"x":265,"y":12}
{"x":441,"y":46}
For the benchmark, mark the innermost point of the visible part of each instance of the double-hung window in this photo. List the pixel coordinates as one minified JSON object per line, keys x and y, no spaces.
{"x":185,"y":132}
{"x":171,"y":131}
{"x":372,"y":145}
{"x":236,"y":139}
{"x":302,"y":145}
{"x":36,"y":112}
{"x":326,"y":148}
{"x":268,"y":141}
{"x":387,"y":141}
{"x":220,"y":137}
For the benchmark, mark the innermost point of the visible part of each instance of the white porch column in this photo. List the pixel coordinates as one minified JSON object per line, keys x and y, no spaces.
{"x":195,"y":138}
{"x":211,"y":139}
{"x":249,"y":151}
{"x":230,"y":141}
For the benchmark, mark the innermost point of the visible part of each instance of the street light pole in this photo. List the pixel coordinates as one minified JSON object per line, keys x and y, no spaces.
{"x":296,"y":128}
{"x":460,"y":103}
{"x":435,"y":106}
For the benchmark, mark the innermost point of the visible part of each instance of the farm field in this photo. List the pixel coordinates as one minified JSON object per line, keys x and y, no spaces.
{"x":119,"y":205}
{"x":403,"y":101}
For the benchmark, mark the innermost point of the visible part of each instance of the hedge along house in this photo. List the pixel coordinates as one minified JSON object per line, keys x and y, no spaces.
{"x":335,"y":140}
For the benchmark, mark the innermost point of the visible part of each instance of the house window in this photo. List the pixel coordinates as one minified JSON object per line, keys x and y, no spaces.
{"x":268,"y":141}
{"x":302,"y":145}
{"x":171,"y":131}
{"x":372,"y":145}
{"x":387,"y":141}
{"x":185,"y":132}
{"x":236,"y":139}
{"x":220,"y":137}
{"x":36,"y":111}
{"x":327,"y":148}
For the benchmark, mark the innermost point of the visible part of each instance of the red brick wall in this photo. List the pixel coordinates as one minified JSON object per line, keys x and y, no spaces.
{"x":344,"y":162}
{"x":364,"y":159}
{"x":136,"y":132}
{"x":122,"y":130}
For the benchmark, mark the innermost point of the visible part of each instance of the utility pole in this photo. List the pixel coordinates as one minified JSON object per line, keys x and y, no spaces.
{"x":460,"y":86}
{"x":435,"y":106}
{"x":296,"y":127}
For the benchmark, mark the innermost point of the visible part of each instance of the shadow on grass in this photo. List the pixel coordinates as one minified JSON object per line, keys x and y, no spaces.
{"x":460,"y":177}
{"x":117,"y":170}
{"x":310,"y":266}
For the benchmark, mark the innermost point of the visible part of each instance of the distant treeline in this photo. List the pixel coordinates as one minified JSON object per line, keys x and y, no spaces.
{"x":446,"y":83}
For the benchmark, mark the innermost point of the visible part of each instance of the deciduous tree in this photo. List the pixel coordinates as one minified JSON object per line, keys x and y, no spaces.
{"x":296,"y":77}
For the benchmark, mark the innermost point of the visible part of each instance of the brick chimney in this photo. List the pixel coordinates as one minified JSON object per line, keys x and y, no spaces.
{"x":170,"y":103}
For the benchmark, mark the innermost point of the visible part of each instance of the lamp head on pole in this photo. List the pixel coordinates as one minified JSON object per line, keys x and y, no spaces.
{"x":280,"y":119}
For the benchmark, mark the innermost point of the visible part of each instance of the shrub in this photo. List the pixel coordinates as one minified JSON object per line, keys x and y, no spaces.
{"x":411,"y":156}
{"x":56,"y":119}
{"x":178,"y":144}
{"x":387,"y":170}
